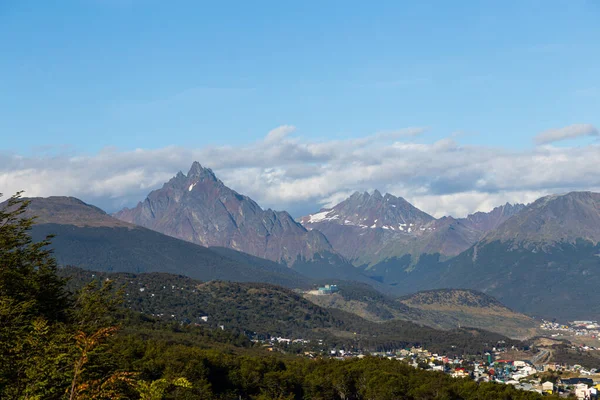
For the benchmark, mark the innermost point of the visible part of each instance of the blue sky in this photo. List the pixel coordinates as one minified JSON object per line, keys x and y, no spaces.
{"x":457,"y":106}
{"x":95,"y":73}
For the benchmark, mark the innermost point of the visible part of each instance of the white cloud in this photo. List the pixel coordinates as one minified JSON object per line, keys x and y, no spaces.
{"x":279,"y":133}
{"x":463,"y":203}
{"x":283,"y":172}
{"x":568,"y":132}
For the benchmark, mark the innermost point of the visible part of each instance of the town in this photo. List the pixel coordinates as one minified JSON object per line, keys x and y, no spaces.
{"x":575,"y":328}
{"x":493,"y":366}
{"x":500,"y":364}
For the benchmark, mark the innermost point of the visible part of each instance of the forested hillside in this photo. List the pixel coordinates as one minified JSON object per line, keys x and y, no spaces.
{"x":268,"y":310}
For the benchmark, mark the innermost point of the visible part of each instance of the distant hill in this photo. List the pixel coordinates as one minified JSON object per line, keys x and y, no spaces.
{"x":270,"y":310}
{"x":543,"y":261}
{"x":441,"y":309}
{"x":89,"y":238}
{"x":445,"y":308}
{"x":369,"y":229}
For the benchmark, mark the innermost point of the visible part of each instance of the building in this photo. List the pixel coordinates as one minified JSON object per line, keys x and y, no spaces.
{"x":548,"y":387}
{"x":460,"y":373}
{"x":328,"y":289}
{"x":583,"y":392}
{"x":576,"y":381}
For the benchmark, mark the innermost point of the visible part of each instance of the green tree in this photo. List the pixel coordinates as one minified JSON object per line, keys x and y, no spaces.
{"x":47,"y":336}
{"x":28,"y":269}
{"x":34,"y":308}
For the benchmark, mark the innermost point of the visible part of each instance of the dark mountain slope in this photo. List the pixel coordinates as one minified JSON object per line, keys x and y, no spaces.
{"x":559,"y":281}
{"x":89,"y":238}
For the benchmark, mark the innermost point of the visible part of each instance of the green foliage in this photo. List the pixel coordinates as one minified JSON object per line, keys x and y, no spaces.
{"x":156,"y":390}
{"x":34,"y":310}
{"x":28,"y":270}
{"x":42,"y":326}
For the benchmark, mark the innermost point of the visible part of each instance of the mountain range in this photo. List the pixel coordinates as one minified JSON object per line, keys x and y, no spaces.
{"x":370,"y":228}
{"x":541,"y":259}
{"x":89,"y":238}
{"x":200,"y":209}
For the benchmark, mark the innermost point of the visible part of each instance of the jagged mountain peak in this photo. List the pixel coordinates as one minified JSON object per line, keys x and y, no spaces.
{"x":199,"y":208}
{"x":198,"y":171}
{"x":367,"y":228}
{"x":376,"y":194}
{"x":372,"y":211}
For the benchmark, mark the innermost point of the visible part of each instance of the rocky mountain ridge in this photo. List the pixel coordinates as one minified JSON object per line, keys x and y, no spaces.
{"x":364,"y":210}
{"x":553,"y":219}
{"x":371,"y":228}
{"x":199,"y":208}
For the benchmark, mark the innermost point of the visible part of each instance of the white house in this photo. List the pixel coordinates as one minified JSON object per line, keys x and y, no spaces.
{"x":548,"y":387}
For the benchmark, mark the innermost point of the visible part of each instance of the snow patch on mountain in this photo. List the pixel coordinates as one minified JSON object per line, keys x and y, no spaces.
{"x":322,"y":216}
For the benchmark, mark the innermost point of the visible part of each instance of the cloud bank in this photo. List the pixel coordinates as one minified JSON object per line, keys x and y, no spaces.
{"x":285,"y":171}
{"x":568,"y":132}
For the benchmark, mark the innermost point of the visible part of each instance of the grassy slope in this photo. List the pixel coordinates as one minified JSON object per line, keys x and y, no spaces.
{"x":441,"y":309}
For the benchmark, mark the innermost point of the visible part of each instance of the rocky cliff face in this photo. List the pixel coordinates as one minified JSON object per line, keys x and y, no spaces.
{"x":199,"y":208}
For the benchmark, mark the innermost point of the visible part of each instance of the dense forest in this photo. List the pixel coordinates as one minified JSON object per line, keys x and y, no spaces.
{"x":56,"y":343}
